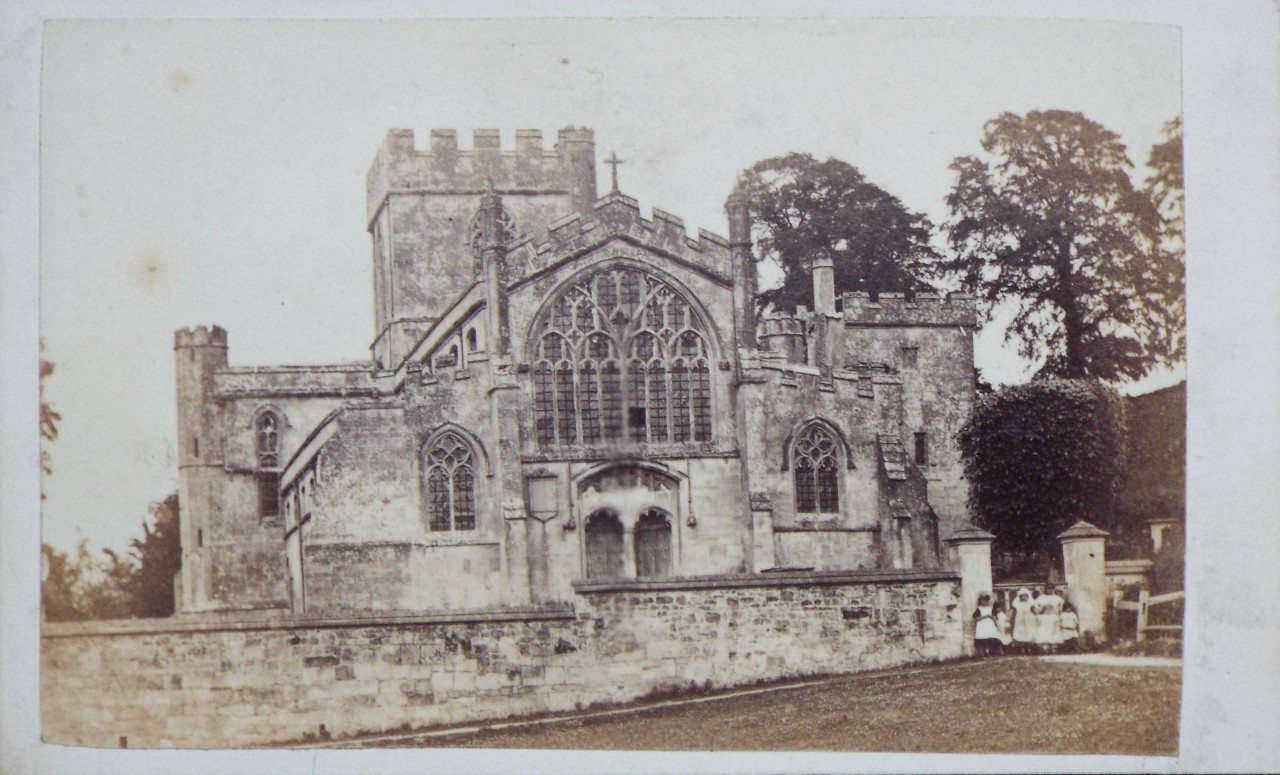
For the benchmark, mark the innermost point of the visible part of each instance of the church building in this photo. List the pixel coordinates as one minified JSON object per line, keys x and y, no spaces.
{"x":561,"y":393}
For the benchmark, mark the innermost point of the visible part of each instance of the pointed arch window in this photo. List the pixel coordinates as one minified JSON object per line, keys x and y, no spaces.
{"x":267,"y":441}
{"x":268,"y":437}
{"x":449,"y":483}
{"x":621,"y":355}
{"x":817,"y":471}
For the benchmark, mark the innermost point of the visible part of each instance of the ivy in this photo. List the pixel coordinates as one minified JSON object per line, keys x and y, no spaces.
{"x":1040,"y":457}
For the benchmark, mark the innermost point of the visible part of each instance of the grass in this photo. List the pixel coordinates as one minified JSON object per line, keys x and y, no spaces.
{"x":1007,"y":705}
{"x":1156,"y":647}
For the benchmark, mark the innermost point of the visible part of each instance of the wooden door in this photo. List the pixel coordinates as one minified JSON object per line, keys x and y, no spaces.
{"x":604,"y":545}
{"x":653,"y":544}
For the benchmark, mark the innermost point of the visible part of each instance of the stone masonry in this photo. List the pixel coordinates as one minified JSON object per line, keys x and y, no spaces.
{"x":576,"y":468}
{"x":246,"y":682}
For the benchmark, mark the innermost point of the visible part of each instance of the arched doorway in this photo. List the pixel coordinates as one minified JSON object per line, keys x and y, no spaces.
{"x":604,"y":545}
{"x":653,"y":544}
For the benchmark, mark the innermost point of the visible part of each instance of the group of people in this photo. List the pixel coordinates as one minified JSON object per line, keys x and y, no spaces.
{"x":1038,"y":623}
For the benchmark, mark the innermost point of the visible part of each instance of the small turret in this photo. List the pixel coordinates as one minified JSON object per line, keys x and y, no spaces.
{"x":492,"y":237}
{"x":198,"y":353}
{"x":744,"y":270}
{"x":577,"y":147}
{"x":824,"y":286}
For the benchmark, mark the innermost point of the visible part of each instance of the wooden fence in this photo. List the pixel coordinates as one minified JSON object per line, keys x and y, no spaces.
{"x":1143,"y":608}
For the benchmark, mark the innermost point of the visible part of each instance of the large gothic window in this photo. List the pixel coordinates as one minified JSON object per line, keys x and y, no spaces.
{"x":621,"y":355}
{"x":817,"y":471}
{"x":449,"y":478}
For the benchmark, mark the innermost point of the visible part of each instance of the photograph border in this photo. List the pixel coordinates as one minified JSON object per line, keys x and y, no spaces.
{"x":1231,"y":681}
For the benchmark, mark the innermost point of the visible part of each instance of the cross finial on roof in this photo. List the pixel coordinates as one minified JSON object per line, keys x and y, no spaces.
{"x":613,"y":161}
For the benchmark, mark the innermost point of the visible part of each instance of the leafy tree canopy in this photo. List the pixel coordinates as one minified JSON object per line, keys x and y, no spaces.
{"x":158,"y":555}
{"x":140,"y":584}
{"x":1041,"y":456}
{"x":1165,"y":189}
{"x":1047,"y":219}
{"x":803,"y":209}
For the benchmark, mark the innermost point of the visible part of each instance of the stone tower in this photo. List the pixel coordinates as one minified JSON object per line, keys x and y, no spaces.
{"x":420,"y":209}
{"x":198,"y":353}
{"x":928,"y":340}
{"x":232,"y":557}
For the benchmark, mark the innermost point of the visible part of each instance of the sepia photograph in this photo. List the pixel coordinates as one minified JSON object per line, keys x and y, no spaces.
{"x":613,"y":384}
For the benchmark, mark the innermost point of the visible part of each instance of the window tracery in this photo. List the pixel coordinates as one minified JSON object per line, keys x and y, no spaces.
{"x":506,"y":228}
{"x":267,"y":441}
{"x":450,"y":484}
{"x":621,"y":355}
{"x":817,"y":472}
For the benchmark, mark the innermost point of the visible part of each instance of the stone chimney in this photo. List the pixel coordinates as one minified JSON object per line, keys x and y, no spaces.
{"x":824,"y":286}
{"x":744,"y":270}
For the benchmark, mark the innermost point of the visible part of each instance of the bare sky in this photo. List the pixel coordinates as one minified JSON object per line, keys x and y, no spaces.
{"x":213,"y":172}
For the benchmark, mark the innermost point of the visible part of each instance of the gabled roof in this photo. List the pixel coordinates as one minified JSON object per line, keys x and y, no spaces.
{"x":617,"y":216}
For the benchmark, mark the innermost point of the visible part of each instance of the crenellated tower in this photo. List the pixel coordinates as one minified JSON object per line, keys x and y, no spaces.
{"x":928,"y":341}
{"x":421,"y":208}
{"x":198,"y":353}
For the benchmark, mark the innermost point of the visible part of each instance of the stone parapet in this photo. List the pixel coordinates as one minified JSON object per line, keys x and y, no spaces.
{"x":767,"y":579}
{"x":894,"y":309}
{"x":243,"y":621}
{"x":200,"y":336}
{"x":617,"y":215}
{"x":443,"y":167}
{"x":343,"y":380}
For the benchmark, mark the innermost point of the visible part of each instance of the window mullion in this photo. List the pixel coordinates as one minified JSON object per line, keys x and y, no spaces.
{"x":448,"y":474}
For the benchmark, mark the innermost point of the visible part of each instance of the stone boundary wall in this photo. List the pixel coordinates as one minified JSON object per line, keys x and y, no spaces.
{"x":206,"y":682}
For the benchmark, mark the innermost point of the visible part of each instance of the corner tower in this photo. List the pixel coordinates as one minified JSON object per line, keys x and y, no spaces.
{"x":420,"y":208}
{"x":198,"y":353}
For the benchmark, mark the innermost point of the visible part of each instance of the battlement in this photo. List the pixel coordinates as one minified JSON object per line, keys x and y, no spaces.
{"x":442,"y":167}
{"x":781,"y":325}
{"x":894,"y":309}
{"x":200,"y":336}
{"x":400,"y":142}
{"x":617,"y":214}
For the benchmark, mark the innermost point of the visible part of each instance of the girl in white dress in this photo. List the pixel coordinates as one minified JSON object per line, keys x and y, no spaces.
{"x":987,"y":638}
{"x":1048,"y":630}
{"x":1002,"y":624}
{"x":1069,"y":624}
{"x":1024,"y":624}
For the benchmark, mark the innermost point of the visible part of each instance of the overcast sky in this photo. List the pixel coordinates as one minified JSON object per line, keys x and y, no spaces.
{"x":213,"y":172}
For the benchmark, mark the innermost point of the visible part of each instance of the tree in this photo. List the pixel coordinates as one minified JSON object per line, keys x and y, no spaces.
{"x":139,"y":584}
{"x":61,"y":590}
{"x":803,"y":208}
{"x":1048,"y":220}
{"x":1165,"y":189}
{"x":1040,"y":457}
{"x":159,"y":557}
{"x":80,"y":587}
{"x":49,"y":419}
